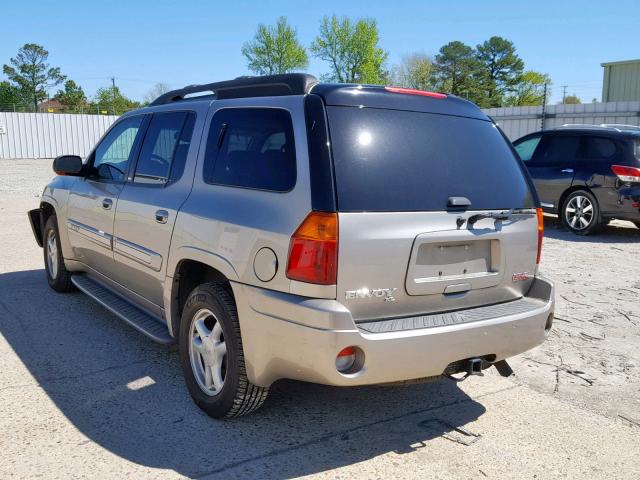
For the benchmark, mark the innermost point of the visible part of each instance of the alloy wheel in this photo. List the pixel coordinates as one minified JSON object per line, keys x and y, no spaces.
{"x":579,"y":212}
{"x":52,"y":254}
{"x":208,"y":352}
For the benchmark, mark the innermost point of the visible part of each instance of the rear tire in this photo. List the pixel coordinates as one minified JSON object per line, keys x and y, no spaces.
{"x":212,"y":357}
{"x":580,"y":213}
{"x":58,"y":277}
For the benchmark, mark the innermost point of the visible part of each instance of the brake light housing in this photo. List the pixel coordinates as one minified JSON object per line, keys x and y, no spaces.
{"x":626,"y":174}
{"x":413,"y":91}
{"x":540,"y":216}
{"x":313,"y":250}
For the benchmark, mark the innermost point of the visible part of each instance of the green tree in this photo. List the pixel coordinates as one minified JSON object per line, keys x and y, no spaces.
{"x":501,"y":67}
{"x":32,"y":74}
{"x":10,"y":97}
{"x":275,"y":49}
{"x":571,"y":100}
{"x":352,"y":50}
{"x":110,"y":99}
{"x":528,"y":90}
{"x":72,"y":95}
{"x":415,"y":71}
{"x":457,"y":70}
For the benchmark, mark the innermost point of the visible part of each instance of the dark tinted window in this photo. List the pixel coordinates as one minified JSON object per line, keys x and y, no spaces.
{"x":391,"y":160}
{"x":112,"y":156}
{"x":598,"y":147}
{"x":558,"y":149}
{"x":166,"y":141}
{"x":251,"y":147}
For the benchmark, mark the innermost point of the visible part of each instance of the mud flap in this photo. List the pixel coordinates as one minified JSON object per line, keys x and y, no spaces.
{"x":503,"y":368}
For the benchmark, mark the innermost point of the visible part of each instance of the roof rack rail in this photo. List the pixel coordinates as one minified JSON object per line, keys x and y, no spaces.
{"x":242,"y":87}
{"x":588,"y":125}
{"x":621,"y":126}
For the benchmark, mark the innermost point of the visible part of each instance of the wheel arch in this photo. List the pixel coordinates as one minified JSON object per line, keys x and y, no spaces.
{"x":569,"y":191}
{"x":46,"y":210}
{"x":187,"y":275}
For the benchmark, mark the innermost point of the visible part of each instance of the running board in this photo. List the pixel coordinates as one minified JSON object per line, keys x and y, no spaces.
{"x":134,"y":316}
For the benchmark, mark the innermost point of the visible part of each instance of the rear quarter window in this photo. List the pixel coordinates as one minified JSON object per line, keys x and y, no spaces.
{"x":251,"y":148}
{"x":393,"y":160}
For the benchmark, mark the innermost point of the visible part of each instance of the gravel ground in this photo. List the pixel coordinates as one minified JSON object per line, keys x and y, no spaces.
{"x":83,"y":395}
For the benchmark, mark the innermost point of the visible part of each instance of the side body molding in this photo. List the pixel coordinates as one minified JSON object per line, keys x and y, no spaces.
{"x":96,"y":236}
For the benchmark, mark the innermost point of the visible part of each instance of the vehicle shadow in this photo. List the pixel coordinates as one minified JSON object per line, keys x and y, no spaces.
{"x":127,"y":394}
{"x":617,"y":232}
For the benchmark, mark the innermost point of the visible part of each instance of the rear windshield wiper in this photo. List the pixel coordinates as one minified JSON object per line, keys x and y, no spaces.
{"x":504,"y":215}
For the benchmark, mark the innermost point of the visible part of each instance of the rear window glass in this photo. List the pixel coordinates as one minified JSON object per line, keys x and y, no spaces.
{"x":251,"y":148}
{"x":391,"y":160}
{"x":558,"y":150}
{"x":597,"y":147}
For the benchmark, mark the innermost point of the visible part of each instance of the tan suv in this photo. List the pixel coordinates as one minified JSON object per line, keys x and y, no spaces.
{"x":277,"y":227}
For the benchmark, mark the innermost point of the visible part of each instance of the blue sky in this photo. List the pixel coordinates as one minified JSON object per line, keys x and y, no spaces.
{"x":141,"y":43}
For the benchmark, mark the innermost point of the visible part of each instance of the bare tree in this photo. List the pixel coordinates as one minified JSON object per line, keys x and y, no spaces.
{"x":157,"y":90}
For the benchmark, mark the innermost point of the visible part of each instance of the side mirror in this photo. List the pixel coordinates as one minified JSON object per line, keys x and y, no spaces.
{"x":68,"y":165}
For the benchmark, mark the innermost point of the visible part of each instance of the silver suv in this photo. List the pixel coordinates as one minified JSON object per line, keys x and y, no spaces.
{"x":277,"y":227}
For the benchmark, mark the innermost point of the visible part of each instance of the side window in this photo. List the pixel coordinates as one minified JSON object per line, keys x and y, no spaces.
{"x":526,"y":148}
{"x":165,"y":148}
{"x":558,"y":150}
{"x":251,"y":148}
{"x":112,"y":156}
{"x":599,"y":148}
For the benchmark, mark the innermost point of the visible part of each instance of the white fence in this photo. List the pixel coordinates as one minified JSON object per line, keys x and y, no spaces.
{"x":47,"y":135}
{"x":518,"y":121}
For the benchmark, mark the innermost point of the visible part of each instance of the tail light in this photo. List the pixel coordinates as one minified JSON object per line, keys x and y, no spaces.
{"x":413,"y":91}
{"x":313,"y":251}
{"x":540,"y":233}
{"x":626,"y":174}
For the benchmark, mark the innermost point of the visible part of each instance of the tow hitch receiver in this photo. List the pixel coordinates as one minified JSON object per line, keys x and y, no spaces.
{"x":475,"y":367}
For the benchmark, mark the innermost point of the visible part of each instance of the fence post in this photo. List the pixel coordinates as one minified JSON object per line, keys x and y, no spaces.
{"x":544,"y":106}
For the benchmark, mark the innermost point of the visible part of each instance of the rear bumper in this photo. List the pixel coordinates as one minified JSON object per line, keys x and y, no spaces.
{"x":287,"y":336}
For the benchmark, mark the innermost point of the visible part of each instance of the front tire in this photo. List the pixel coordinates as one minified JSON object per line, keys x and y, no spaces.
{"x":212,"y":357}
{"x":581,"y":213}
{"x":58,"y":277}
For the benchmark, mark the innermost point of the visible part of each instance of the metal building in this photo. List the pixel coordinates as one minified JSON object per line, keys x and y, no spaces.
{"x":621,"y":81}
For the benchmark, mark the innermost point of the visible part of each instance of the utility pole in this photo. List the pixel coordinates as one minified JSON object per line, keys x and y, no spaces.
{"x":113,"y":92}
{"x":544,"y":106}
{"x":564,"y":92}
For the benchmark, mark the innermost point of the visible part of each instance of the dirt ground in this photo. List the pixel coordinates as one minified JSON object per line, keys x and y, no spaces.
{"x":82,"y":395}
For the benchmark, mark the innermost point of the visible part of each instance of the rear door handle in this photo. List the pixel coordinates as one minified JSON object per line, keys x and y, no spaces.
{"x":162,"y":216}
{"x":567,"y":170}
{"x":107,"y":203}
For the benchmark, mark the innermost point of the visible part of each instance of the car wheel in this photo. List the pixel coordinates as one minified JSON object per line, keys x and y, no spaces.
{"x":581,"y":213}
{"x":57,"y":275}
{"x":211,"y":354}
